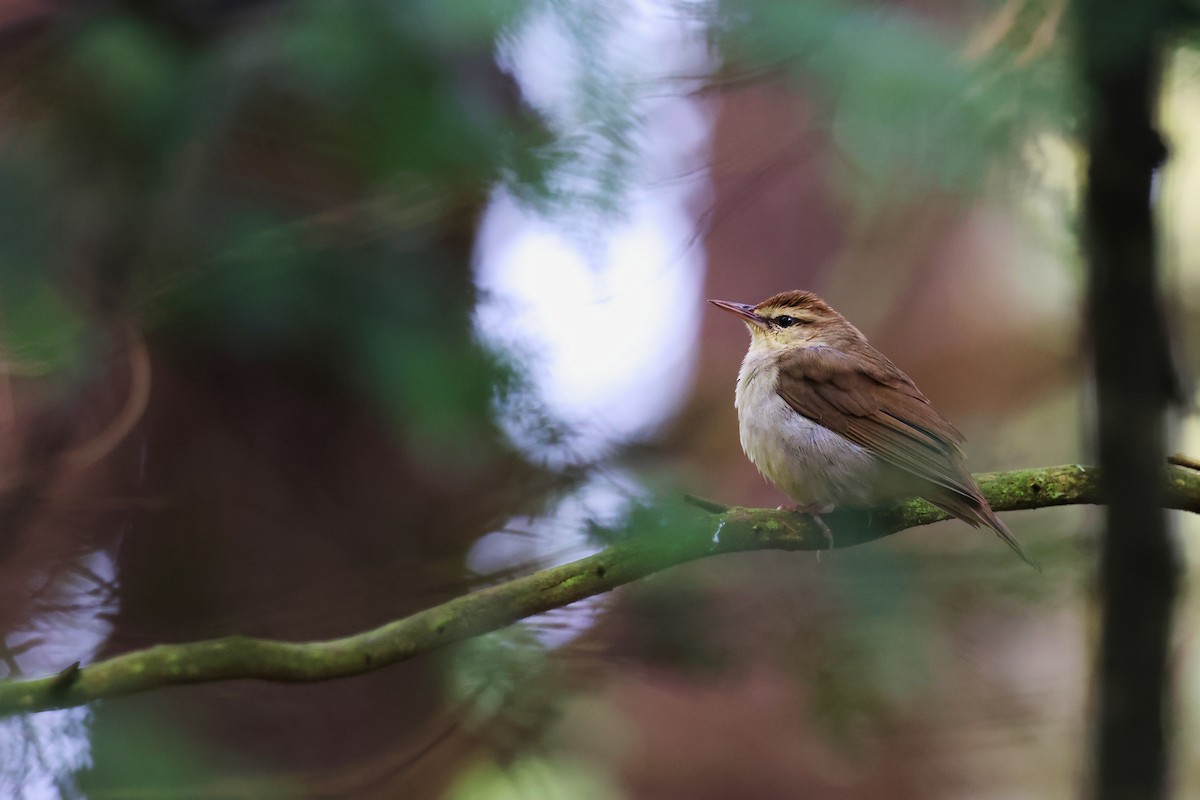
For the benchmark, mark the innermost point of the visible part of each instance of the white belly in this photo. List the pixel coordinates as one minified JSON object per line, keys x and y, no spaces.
{"x":810,"y":463}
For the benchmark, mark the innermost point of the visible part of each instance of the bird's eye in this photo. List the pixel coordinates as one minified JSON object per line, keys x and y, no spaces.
{"x":785,"y":321}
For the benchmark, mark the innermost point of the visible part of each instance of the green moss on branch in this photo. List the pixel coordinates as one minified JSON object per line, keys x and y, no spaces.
{"x":704,"y":535}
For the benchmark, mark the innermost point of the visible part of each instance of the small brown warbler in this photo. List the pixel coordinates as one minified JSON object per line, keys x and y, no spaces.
{"x":834,"y":423}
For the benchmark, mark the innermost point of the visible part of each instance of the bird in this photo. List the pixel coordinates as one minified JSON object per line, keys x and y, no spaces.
{"x":833,"y":423}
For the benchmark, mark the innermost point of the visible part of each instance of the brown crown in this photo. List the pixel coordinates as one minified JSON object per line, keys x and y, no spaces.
{"x":796,"y":298}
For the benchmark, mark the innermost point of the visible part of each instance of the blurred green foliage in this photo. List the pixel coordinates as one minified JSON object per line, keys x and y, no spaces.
{"x":503,"y":679}
{"x":904,"y":100}
{"x":302,"y":186}
{"x":142,"y":754}
{"x":534,"y":776}
{"x":875,"y":663}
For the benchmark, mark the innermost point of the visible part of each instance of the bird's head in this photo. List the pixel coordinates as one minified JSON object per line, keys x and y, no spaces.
{"x":792,"y":319}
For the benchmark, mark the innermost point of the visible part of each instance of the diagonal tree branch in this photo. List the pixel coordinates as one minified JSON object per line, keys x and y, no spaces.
{"x":706,"y":534}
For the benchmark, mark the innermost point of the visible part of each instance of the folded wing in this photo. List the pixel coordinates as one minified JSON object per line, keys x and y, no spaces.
{"x":866,"y":398}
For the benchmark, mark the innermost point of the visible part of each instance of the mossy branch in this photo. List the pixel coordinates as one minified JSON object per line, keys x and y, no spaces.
{"x":709,"y":534}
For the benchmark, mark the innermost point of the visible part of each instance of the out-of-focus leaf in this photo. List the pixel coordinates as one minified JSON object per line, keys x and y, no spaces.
{"x":876,"y":660}
{"x":901,"y":97}
{"x":137,"y":82}
{"x":501,"y":677}
{"x":40,"y":328}
{"x":42,"y":334}
{"x":139,"y":755}
{"x":533,"y":778}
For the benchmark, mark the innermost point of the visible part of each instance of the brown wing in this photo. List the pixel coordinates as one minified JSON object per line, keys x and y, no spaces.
{"x":872,"y":403}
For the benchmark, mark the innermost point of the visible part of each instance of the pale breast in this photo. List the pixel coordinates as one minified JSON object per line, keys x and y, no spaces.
{"x":810,"y":463}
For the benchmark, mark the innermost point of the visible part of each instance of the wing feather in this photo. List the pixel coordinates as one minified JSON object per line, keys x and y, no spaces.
{"x":858,"y":393}
{"x":875,"y":405}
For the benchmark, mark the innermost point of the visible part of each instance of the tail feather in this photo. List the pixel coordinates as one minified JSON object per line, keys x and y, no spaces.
{"x":992,"y":521}
{"x":976,"y":512}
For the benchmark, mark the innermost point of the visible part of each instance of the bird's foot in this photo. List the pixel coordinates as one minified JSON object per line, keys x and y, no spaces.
{"x":815,"y":511}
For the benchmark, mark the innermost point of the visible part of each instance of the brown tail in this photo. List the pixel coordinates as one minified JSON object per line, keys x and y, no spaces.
{"x":976,"y":512}
{"x":992,"y":521}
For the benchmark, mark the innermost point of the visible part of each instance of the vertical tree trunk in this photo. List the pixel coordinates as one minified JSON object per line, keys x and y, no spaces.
{"x":1121,"y":43}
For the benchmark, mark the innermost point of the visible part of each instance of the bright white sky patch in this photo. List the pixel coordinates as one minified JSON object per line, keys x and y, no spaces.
{"x":609,"y":330}
{"x":611,"y":345}
{"x":41,"y":753}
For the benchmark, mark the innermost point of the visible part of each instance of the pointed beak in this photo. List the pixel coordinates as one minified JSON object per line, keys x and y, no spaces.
{"x":744,"y":311}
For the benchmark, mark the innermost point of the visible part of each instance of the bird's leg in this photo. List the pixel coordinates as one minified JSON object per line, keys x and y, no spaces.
{"x":815,"y":511}
{"x":825,"y":530}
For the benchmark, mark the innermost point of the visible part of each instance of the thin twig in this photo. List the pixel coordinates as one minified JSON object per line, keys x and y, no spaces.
{"x":1180,"y":460}
{"x":711,"y":506}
